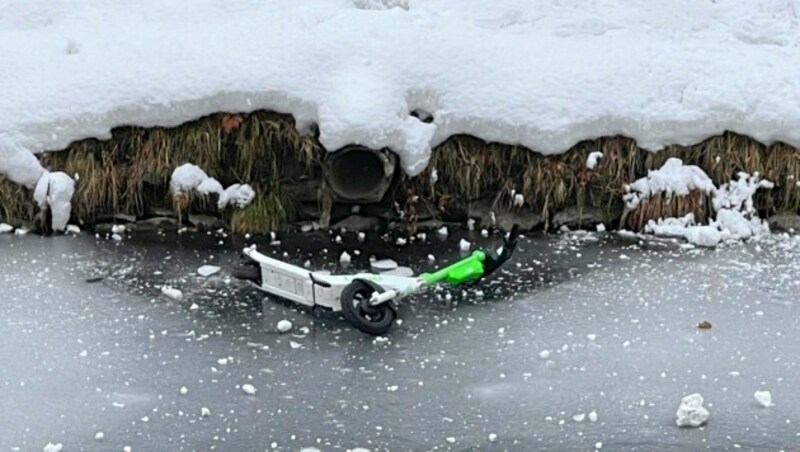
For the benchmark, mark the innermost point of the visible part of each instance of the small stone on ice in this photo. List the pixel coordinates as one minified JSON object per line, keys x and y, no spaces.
{"x":764,"y":398}
{"x":183,"y":390}
{"x":492,"y":437}
{"x":691,"y":413}
{"x":248,"y":389}
{"x":284,"y":326}
{"x":464,"y":245}
{"x":207,"y":270}
{"x":544,"y":354}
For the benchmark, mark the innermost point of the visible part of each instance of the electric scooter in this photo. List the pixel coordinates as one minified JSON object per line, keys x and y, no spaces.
{"x":367,"y":300}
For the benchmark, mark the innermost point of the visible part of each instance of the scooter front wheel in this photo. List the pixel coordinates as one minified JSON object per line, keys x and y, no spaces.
{"x":356,"y":309}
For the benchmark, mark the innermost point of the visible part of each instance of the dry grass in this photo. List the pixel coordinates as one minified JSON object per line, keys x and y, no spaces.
{"x":130,"y":172}
{"x":470,"y":169}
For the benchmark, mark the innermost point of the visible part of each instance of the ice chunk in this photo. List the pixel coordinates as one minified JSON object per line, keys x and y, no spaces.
{"x":383,"y":265}
{"x":691,"y":412}
{"x":172,"y":292}
{"x":284,"y":326}
{"x":764,"y":398}
{"x":591,"y":160}
{"x":248,"y":389}
{"x":207,"y":270}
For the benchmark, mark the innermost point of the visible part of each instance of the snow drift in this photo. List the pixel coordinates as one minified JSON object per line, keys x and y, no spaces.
{"x":659,"y":72}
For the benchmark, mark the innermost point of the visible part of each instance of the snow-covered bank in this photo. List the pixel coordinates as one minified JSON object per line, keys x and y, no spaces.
{"x":663,"y":73}
{"x":671,"y":72}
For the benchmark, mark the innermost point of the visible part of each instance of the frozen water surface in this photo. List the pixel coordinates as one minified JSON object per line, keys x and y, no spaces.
{"x":89,"y":345}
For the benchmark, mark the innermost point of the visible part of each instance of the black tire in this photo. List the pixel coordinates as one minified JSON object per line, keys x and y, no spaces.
{"x":375,"y":320}
{"x":248,"y":271}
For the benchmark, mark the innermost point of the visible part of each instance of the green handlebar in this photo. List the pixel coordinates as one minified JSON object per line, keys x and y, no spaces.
{"x":468,"y":269}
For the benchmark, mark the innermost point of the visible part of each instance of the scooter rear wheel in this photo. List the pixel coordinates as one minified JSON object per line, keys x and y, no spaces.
{"x":356,"y":309}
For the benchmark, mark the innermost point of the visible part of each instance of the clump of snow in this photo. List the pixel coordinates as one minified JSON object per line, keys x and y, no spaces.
{"x":54,"y":191}
{"x":736,"y":218}
{"x":5,"y":228}
{"x":519,"y":200}
{"x":464,"y":245}
{"x":764,"y":398}
{"x":172,"y":292}
{"x":672,"y":179}
{"x":592,"y":159}
{"x":383,"y":265}
{"x":50,"y":447}
{"x":189,"y":177}
{"x":492,"y":437}
{"x":442,"y":231}
{"x":207,"y":270}
{"x":691,"y":412}
{"x":248,"y":389}
{"x":20,"y":231}
{"x":593,"y":416}
{"x":544,"y":354}
{"x":99,"y":436}
{"x":73,"y":229}
{"x":284,"y":326}
{"x":205,"y":412}
{"x":183,"y":390}
{"x":345,"y":258}
{"x":118,"y":229}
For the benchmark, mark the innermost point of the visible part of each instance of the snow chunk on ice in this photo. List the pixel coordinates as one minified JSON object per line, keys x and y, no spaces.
{"x":764,"y":398}
{"x":464,"y":245}
{"x":5,"y":228}
{"x":345,"y":258}
{"x":50,"y":447}
{"x":383,"y":265}
{"x":207,"y":270}
{"x":205,"y":412}
{"x":284,"y":326}
{"x":118,"y":229}
{"x":691,"y":413}
{"x":183,"y":390}
{"x":442,"y":231}
{"x":99,"y":436}
{"x":73,"y":229}
{"x":544,"y":354}
{"x":591,"y":160}
{"x":593,"y":416}
{"x":248,"y":389}
{"x":172,"y":292}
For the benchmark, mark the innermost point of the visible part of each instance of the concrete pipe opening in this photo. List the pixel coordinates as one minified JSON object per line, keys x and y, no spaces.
{"x":359,"y":174}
